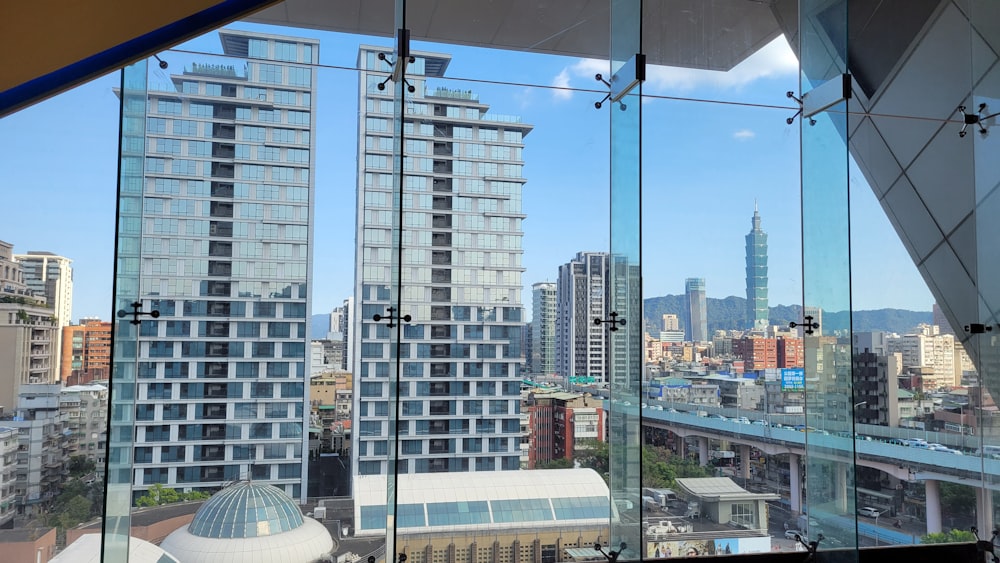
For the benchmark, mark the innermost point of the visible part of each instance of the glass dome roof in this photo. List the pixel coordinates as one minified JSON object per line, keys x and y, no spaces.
{"x":246,"y":510}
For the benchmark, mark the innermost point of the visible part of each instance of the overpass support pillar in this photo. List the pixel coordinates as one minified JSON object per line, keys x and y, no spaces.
{"x":984,"y":509}
{"x":681,"y":446}
{"x":702,"y":451}
{"x":932,"y":491}
{"x":745,"y":462}
{"x":795,"y":482}
{"x":841,"y":493}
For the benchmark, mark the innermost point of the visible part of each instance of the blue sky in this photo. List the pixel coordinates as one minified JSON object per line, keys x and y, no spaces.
{"x":704,"y":165}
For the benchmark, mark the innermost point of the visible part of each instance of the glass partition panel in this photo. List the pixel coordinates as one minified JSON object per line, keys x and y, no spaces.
{"x":625,"y":292}
{"x":973,"y":243}
{"x":125,"y":345}
{"x":504,"y":269}
{"x":830,"y":407}
{"x":715,"y":411}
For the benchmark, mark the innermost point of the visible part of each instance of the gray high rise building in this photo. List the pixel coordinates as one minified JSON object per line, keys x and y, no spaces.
{"x":543,"y":329}
{"x":461,"y":273}
{"x":695,"y":310}
{"x":583,"y":294}
{"x":756,"y":270}
{"x":225,"y":259}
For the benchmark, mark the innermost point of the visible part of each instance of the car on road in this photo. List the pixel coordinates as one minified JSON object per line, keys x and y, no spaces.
{"x":869,"y":512}
{"x":790,"y":534}
{"x":760,"y":422}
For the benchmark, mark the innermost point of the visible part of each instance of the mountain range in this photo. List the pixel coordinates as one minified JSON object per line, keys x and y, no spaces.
{"x":730,"y":314}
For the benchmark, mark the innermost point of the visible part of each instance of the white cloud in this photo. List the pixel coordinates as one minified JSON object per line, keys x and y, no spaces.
{"x":774,"y":59}
{"x":561,"y":84}
{"x":744,"y":135}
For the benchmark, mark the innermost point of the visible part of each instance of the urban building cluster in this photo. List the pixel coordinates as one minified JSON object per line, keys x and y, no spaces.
{"x":238,"y":398}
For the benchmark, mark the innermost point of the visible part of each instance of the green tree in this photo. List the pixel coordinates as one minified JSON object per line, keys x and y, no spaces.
{"x":79,"y":466}
{"x":158,"y":495}
{"x":957,"y":499}
{"x":561,"y":463}
{"x":951,"y":536}
{"x":593,"y":454}
{"x":661,"y":469}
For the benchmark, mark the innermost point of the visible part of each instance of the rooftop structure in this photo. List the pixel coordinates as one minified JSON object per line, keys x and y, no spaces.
{"x":484,"y":501}
{"x":249,"y":522}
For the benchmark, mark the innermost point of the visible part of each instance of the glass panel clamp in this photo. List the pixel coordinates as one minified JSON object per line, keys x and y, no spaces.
{"x":811,"y":546}
{"x":986,"y":547}
{"x":630,"y":75}
{"x":981,"y":119}
{"x":391,"y":317}
{"x":403,"y":58}
{"x":809,"y":326}
{"x":611,"y":556}
{"x":821,"y":98}
{"x":137,"y":312}
{"x":614,"y":321}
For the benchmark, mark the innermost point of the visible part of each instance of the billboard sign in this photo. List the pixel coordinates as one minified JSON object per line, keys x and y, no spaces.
{"x":793,"y":379}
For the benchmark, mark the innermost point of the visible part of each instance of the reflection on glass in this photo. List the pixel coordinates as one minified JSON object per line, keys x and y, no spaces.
{"x":829,"y":387}
{"x":449,"y":436}
{"x":625,"y":291}
{"x":125,"y":346}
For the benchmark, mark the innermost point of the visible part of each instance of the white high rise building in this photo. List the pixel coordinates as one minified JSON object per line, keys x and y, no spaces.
{"x":51,"y":276}
{"x":225,"y":258}
{"x":461,"y":272}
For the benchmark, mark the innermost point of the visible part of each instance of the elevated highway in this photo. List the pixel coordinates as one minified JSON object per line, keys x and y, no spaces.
{"x":869,"y":449}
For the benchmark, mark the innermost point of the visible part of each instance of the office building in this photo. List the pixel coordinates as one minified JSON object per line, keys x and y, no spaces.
{"x":790,"y":352}
{"x":8,"y":475}
{"x":695,"y":310}
{"x":671,"y":323}
{"x":542,"y":360}
{"x":43,"y":446}
{"x":86,"y":409}
{"x":756,"y":271}
{"x":27,"y":333}
{"x":49,"y":275}
{"x":225,"y":260}
{"x":560,"y":423}
{"x":925,"y":347}
{"x":758,"y":353}
{"x":461,"y":264}
{"x":86,"y":352}
{"x":933,"y":184}
{"x":582,"y":295}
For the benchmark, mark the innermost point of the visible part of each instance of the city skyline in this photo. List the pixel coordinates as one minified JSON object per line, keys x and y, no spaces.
{"x":546,"y":105}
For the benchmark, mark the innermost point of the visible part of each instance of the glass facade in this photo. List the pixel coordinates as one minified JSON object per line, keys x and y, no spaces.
{"x":578,"y":421}
{"x":224,"y":258}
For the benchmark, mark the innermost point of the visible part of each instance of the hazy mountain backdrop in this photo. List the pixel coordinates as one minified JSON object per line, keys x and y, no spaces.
{"x":728,"y":313}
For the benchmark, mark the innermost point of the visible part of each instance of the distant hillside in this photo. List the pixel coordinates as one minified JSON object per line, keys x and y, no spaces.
{"x":729,"y":314}
{"x":319,"y":326}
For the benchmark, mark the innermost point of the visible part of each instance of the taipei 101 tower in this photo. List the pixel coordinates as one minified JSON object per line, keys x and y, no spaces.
{"x":756,"y":240}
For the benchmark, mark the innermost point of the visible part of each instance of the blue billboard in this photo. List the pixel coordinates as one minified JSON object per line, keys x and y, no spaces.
{"x":793,"y":379}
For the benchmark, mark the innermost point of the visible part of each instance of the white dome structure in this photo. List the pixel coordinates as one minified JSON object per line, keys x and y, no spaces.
{"x":87,"y":549}
{"x":249,"y":523}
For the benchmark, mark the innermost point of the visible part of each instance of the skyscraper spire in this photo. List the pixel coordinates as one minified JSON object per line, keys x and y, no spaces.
{"x":756,"y":271}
